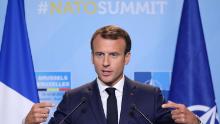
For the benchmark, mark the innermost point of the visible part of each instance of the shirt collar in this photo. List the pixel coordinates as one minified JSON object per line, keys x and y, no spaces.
{"x":118,"y":86}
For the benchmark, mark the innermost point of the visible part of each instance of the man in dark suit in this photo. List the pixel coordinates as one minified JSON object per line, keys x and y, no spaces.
{"x":112,"y":98}
{"x":146,"y":98}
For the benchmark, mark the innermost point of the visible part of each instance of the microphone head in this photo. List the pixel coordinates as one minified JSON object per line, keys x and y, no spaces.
{"x":83,"y":99}
{"x":133,"y":106}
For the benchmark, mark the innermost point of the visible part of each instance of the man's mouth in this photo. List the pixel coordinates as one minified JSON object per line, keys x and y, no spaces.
{"x":106,"y":72}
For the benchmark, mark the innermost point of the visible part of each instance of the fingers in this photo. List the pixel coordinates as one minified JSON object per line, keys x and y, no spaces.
{"x":36,"y":119}
{"x":43,"y":107}
{"x":180,"y":114}
{"x":44,"y":104}
{"x":171,"y":104}
{"x":38,"y":113}
{"x":179,"y":117}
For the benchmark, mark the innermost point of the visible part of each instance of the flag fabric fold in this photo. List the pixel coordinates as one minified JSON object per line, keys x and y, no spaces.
{"x":18,"y":90}
{"x":191,"y":82}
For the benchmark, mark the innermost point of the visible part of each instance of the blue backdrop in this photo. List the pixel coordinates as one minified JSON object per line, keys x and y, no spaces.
{"x":60,"y":32}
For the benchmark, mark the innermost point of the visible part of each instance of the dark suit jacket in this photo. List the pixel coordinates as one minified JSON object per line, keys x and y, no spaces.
{"x":148,"y":100}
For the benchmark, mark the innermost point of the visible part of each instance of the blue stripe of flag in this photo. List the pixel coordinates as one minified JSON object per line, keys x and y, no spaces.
{"x":16,"y":67}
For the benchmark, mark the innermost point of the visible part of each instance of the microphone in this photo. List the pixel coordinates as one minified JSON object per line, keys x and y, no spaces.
{"x":134,"y":107}
{"x":83,"y":100}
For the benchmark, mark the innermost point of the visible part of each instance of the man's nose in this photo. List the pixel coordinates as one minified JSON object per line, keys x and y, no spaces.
{"x":106,"y":61}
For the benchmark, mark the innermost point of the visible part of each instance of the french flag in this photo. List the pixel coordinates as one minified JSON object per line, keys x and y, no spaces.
{"x":18,"y":90}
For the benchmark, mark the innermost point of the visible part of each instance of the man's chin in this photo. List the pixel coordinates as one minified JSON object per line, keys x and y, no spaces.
{"x":107,"y":81}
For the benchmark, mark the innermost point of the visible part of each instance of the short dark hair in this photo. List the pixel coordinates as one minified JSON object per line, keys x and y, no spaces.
{"x":113,"y":32}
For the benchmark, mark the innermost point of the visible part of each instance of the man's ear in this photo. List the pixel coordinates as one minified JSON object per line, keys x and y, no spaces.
{"x":92,"y":59}
{"x":127,"y":58}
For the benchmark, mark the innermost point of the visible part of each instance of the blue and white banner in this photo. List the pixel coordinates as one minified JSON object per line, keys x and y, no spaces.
{"x":18,"y":90}
{"x":191,"y":80}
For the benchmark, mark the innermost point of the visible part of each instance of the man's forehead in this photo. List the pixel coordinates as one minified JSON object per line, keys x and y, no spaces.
{"x":99,"y":37}
{"x":104,"y":52}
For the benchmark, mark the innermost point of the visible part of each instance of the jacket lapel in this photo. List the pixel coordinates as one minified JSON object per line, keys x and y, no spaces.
{"x":127,"y":101}
{"x":96,"y":104}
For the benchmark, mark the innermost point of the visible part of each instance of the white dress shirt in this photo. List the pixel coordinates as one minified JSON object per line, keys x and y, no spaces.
{"x":118,"y":93}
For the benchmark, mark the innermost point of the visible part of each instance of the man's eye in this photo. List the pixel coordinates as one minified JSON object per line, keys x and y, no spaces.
{"x":99,"y":54}
{"x":114,"y":54}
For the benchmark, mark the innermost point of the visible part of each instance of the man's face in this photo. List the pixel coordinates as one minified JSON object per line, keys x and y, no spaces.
{"x":109,"y":59}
